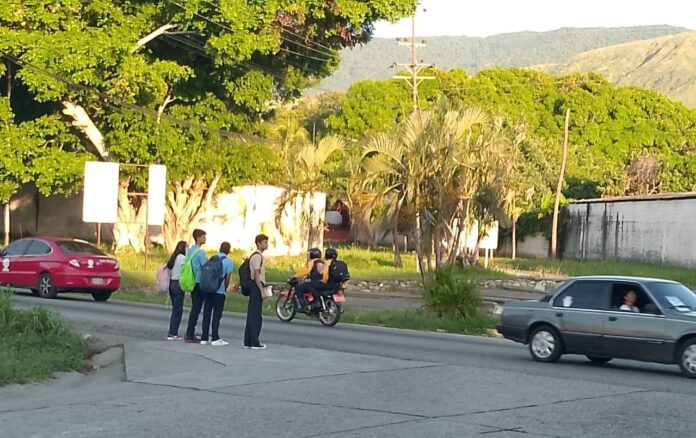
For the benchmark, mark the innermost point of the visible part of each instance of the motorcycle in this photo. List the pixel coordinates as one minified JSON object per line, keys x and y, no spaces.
{"x":328,"y":311}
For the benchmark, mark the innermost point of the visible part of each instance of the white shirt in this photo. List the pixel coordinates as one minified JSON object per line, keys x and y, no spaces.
{"x":178,"y":263}
{"x":627,"y":308}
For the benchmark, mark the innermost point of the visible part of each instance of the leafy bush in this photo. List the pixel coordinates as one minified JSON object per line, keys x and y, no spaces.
{"x":35,"y":343}
{"x":448,"y":294}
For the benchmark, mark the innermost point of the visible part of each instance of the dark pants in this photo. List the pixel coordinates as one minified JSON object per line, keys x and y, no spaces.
{"x":254,"y":319}
{"x":177,"y":295}
{"x":197,"y":298}
{"x":214,"y":304}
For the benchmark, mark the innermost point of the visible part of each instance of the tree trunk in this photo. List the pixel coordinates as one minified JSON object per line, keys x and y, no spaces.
{"x":514,"y":238}
{"x":129,"y":231}
{"x":187,"y":201}
{"x":84,"y":124}
{"x":398,"y":262}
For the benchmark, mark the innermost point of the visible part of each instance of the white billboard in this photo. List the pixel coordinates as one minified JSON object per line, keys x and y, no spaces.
{"x":156,"y":194}
{"x":100,"y":201}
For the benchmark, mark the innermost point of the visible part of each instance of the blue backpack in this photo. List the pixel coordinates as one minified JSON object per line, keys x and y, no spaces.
{"x":212,"y":275}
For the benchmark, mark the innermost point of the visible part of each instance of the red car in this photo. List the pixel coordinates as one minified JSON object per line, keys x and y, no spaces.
{"x":48,"y":266}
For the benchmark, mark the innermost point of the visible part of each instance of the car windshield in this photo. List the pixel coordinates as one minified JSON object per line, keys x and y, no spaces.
{"x":75,"y":247}
{"x":674,"y":296}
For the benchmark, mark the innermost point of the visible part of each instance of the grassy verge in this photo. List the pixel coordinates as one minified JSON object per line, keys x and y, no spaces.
{"x":364,"y":264}
{"x":600,"y":267}
{"x":35,"y":343}
{"x":404,"y":319}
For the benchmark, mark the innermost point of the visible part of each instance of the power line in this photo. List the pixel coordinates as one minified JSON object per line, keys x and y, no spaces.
{"x":122,"y":103}
{"x":330,"y":53}
{"x":229,"y":29}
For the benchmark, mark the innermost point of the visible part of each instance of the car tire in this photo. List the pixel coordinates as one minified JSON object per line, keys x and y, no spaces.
{"x":687,"y":358}
{"x":545,"y":344}
{"x":46,"y":287}
{"x":101,"y":296}
{"x":599,"y":360}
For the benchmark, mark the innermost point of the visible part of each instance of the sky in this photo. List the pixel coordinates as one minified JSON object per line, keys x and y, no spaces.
{"x":490,"y":17}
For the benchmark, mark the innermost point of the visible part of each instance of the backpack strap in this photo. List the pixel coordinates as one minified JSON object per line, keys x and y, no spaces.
{"x":193,"y":254}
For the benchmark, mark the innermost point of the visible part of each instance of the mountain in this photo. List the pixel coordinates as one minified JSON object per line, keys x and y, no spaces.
{"x":666,"y":64}
{"x":374,"y":59}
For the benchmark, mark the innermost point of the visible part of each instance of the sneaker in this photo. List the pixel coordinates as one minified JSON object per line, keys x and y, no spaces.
{"x":193,"y":340}
{"x":247,"y":346}
{"x":219,"y":343}
{"x":205,"y":342}
{"x":259,"y":347}
{"x":173,"y":338}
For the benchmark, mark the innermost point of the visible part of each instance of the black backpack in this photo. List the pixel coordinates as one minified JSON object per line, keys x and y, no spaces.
{"x":245,"y":279}
{"x":212,"y":275}
{"x":338,"y":272}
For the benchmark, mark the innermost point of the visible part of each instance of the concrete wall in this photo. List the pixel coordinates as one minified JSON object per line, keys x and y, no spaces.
{"x":236,"y":217}
{"x":654,"y":231}
{"x":535,"y":246}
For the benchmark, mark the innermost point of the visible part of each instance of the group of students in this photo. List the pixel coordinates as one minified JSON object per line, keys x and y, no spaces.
{"x":212,"y":302}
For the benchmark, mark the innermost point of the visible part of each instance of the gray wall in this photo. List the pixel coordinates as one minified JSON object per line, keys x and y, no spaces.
{"x":654,"y":231}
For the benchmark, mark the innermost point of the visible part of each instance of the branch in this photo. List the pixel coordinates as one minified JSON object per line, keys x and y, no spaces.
{"x":157,"y":32}
{"x":83,"y":123}
{"x":167,"y":100}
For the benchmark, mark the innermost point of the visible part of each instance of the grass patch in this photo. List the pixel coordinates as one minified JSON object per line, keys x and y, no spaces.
{"x":364,"y":264}
{"x":35,"y":343}
{"x":600,"y":267}
{"x":417,"y":319}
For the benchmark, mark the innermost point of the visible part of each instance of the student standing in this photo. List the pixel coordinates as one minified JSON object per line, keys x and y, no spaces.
{"x":198,"y":259}
{"x":215,"y":302}
{"x":176,"y":261}
{"x":254,"y":320}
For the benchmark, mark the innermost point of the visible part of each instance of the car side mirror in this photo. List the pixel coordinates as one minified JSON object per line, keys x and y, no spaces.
{"x":651,"y":309}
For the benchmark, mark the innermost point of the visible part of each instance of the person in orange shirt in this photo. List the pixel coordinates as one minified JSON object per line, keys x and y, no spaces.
{"x":313,"y":258}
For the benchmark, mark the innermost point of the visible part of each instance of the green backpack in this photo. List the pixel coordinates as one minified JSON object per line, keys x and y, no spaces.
{"x":187,"y":279}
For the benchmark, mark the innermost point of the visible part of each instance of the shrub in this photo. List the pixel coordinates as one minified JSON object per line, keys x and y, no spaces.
{"x":448,"y":294}
{"x":35,"y":343}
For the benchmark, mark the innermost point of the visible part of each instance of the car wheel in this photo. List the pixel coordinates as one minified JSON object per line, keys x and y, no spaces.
{"x":545,"y":344}
{"x":46,"y":287}
{"x":687,"y":358}
{"x":101,"y":295}
{"x":598,"y":360}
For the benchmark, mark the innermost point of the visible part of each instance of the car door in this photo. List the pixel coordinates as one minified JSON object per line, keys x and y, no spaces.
{"x":639,"y":336}
{"x":36,"y":260}
{"x":580,"y":312}
{"x":12,"y":264}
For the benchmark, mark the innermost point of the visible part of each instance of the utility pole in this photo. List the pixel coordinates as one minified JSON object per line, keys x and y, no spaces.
{"x":559,"y":187}
{"x":415,"y":67}
{"x":6,"y":207}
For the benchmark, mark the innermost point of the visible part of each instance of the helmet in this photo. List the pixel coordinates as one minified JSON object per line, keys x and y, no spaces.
{"x":314,"y":253}
{"x":332,"y":253}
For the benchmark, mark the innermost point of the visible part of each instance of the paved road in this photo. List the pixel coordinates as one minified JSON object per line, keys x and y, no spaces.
{"x":357,"y":381}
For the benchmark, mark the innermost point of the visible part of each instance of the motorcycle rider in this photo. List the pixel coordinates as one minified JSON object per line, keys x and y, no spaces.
{"x":331,"y":255}
{"x":313,"y":258}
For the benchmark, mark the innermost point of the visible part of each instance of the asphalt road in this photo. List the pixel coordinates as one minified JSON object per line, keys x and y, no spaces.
{"x":371,"y":381}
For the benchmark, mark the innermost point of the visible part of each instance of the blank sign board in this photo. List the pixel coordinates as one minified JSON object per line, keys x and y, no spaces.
{"x":100,"y":202}
{"x":156,"y":191}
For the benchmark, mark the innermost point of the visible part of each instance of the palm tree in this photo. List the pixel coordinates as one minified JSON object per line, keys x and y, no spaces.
{"x":307,"y":176}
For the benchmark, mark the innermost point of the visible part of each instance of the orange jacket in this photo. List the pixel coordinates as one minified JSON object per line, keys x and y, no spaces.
{"x":306,"y":269}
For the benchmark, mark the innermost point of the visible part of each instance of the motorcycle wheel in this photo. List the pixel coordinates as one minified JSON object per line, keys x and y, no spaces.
{"x":331,"y":315}
{"x":286,"y":309}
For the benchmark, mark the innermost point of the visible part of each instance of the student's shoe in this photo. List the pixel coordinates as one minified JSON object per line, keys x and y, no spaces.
{"x":193,"y":340}
{"x":173,"y":338}
{"x":259,"y":347}
{"x":247,"y":346}
{"x":205,"y":342}
{"x":219,"y":343}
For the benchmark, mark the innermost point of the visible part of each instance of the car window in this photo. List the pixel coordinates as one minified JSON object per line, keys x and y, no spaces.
{"x":75,"y":247}
{"x":585,"y":295}
{"x":674,"y":296}
{"x":643,"y":302}
{"x":38,"y":247}
{"x":15,"y":249}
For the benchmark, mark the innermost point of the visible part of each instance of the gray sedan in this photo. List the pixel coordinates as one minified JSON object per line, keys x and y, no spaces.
{"x":602,"y":317}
